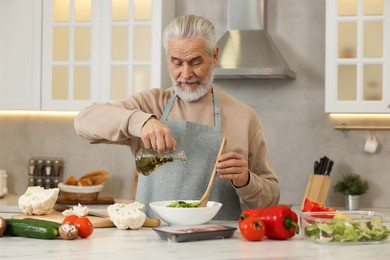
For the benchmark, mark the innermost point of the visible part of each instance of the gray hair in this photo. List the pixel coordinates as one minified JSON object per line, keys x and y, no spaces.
{"x":191,"y":26}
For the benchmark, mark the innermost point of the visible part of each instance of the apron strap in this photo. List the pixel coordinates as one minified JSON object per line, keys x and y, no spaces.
{"x":168,"y":108}
{"x":217,"y":110}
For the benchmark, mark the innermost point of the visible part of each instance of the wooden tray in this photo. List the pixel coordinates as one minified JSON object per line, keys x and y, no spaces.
{"x":57,"y":216}
{"x":97,"y":222}
{"x":62,"y":200}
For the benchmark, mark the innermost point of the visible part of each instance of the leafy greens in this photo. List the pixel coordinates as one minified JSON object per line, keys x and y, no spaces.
{"x":343,"y":231}
{"x":183,"y":204}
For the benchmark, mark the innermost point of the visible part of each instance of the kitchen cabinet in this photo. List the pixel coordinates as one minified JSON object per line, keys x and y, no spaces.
{"x":97,"y":51}
{"x":91,"y":51}
{"x":20,"y":48}
{"x":357,"y":56}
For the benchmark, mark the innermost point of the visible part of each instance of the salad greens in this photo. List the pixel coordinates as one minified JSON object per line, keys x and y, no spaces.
{"x":343,"y":231}
{"x":183,"y":204}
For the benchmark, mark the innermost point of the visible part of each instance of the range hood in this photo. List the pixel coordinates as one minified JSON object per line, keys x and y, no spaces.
{"x":246,"y":50}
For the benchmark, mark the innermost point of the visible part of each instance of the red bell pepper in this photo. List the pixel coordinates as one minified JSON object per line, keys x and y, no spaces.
{"x":280,"y":221}
{"x":312,"y":206}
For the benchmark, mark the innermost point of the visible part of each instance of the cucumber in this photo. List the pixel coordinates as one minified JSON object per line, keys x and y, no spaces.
{"x":34,"y":228}
{"x":52,"y":223}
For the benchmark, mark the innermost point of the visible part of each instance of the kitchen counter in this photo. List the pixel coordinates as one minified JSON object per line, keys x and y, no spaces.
{"x":112,"y":243}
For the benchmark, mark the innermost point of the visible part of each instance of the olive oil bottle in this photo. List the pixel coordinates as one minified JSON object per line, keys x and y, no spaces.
{"x":147,"y":161}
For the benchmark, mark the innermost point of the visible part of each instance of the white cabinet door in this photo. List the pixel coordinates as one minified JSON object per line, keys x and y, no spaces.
{"x":101,"y":50}
{"x":20,"y":59}
{"x":70,"y":49}
{"x":357,"y":56}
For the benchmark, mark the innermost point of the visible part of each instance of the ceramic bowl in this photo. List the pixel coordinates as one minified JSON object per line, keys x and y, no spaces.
{"x":185,"y":216}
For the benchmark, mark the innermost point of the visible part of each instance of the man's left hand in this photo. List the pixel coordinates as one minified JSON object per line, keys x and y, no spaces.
{"x":233,"y":166}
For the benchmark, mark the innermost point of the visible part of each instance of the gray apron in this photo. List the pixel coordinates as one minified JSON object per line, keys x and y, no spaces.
{"x":189,"y":180}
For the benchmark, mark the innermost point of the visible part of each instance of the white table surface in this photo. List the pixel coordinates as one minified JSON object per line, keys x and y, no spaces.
{"x":112,"y":243}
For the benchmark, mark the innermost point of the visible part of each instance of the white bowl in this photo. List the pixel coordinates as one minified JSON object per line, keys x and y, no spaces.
{"x":185,"y":216}
{"x":80,"y":189}
{"x":80,"y":193}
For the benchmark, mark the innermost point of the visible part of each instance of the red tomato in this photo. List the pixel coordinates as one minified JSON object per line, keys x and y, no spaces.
{"x":252,"y":228}
{"x":70,"y":219}
{"x":84,"y":226}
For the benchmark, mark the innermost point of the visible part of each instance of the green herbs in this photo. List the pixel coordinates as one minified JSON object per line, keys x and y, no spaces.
{"x":183,"y":204}
{"x":343,"y":231}
{"x":351,"y":184}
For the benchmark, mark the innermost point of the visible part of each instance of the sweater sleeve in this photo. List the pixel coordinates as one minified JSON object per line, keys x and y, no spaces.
{"x":108,"y":122}
{"x":263,"y":188}
{"x":118,"y":122}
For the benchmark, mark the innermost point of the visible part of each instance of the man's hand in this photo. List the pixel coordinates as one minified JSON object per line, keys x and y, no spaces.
{"x":233,"y":166}
{"x":157,"y":136}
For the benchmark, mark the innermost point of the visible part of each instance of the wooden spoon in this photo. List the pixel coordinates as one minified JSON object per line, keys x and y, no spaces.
{"x":205,"y":198}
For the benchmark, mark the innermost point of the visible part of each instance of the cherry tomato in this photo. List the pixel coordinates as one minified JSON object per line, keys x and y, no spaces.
{"x":252,"y":228}
{"x":84,"y":226}
{"x":70,"y":219}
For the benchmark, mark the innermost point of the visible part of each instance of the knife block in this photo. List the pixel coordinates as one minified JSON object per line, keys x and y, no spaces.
{"x":317,"y":188}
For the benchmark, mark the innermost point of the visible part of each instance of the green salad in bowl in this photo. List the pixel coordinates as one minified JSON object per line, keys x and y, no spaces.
{"x":183,"y":204}
{"x":346,"y":227}
{"x":185,"y":212}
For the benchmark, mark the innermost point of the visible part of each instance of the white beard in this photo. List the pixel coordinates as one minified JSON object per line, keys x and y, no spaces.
{"x":186,"y":93}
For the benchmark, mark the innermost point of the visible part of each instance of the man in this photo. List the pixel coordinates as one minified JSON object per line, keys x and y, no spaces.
{"x":191,"y":116}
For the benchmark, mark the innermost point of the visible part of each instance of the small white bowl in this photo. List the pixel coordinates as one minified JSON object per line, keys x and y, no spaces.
{"x":82,"y":193}
{"x":80,"y":189}
{"x":185,"y":216}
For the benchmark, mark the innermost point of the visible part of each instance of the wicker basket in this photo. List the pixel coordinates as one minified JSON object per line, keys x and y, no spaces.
{"x":80,"y":196}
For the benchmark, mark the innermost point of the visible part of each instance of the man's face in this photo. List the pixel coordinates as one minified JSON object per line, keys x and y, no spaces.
{"x":191,"y":67}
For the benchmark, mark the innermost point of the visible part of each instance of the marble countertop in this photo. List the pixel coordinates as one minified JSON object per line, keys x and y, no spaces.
{"x":112,"y":243}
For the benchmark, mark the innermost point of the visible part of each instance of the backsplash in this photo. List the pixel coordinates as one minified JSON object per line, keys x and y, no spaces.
{"x":40,"y":136}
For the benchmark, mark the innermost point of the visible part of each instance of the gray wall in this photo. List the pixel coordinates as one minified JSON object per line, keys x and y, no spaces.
{"x":22,"y":137}
{"x":292,"y":111}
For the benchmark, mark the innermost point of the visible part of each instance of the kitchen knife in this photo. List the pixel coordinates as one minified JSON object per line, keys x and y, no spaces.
{"x":316,"y":167}
{"x":329,"y":168}
{"x":62,"y":207}
{"x":320,"y":164}
{"x":324,"y":165}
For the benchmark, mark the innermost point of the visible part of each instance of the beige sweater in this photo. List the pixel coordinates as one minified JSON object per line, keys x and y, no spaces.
{"x":121,"y":123}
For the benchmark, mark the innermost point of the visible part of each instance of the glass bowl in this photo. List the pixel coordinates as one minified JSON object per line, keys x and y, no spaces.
{"x":345,"y":227}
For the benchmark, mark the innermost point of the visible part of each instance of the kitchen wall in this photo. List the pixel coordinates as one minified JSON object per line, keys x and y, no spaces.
{"x":22,"y":137}
{"x":292,"y":112}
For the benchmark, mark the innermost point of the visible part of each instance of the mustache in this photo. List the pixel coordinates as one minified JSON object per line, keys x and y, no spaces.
{"x":188,"y":81}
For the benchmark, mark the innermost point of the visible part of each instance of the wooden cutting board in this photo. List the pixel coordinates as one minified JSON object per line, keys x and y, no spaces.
{"x":97,"y":222}
{"x":108,"y":201}
{"x":57,"y":216}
